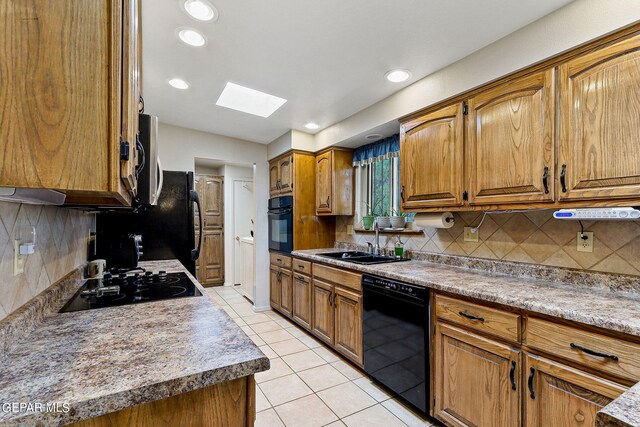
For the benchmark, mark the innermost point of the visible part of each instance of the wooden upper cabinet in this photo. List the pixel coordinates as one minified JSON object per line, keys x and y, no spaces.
{"x":431,"y":159}
{"x":324,"y":182}
{"x":510,"y":146}
{"x":600,"y":124}
{"x":477,"y":380}
{"x":64,"y":110}
{"x":274,"y":178}
{"x":558,"y":395}
{"x":334,"y":182}
{"x":212,"y":200}
{"x":286,"y":175}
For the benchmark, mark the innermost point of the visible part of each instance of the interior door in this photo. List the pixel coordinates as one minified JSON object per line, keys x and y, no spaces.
{"x":431,"y":159}
{"x":323,"y":313}
{"x":600,"y":124}
{"x":558,"y":395}
{"x":243,"y":208}
{"x":476,"y":380}
{"x":324,"y":182}
{"x":213,"y":206}
{"x":511,"y":142}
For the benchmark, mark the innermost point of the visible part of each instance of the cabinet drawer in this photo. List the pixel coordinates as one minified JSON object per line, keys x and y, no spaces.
{"x":337,"y":276}
{"x":579,"y":346}
{"x":478,"y":317}
{"x":301,"y":266}
{"x":280,"y":260}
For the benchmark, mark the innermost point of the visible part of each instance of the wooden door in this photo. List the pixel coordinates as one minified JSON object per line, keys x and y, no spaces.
{"x":286,"y":175}
{"x":558,"y":395}
{"x":323,"y":313}
{"x":130,"y":92}
{"x":274,"y":178}
{"x":302,"y":300}
{"x":61,"y":114}
{"x":275,"y":289}
{"x":286,"y":288}
{"x":324,"y":182}
{"x":431,"y":159}
{"x":212,"y":263}
{"x":600,"y":124}
{"x":510,"y":145}
{"x":212,"y":201}
{"x":348,"y":324}
{"x":477,"y":380}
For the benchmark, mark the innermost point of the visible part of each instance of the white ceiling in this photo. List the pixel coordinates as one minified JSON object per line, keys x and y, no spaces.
{"x":327,"y":58}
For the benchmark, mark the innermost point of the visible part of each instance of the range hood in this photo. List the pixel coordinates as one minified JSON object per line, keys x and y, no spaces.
{"x":31,"y":196}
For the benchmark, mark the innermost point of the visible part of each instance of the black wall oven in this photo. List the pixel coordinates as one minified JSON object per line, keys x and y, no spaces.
{"x":281,"y":224}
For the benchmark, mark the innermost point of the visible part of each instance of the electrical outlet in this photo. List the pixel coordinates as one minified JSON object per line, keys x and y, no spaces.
{"x":349,"y":229}
{"x":585,"y":245}
{"x":470,"y":236}
{"x":18,"y":260}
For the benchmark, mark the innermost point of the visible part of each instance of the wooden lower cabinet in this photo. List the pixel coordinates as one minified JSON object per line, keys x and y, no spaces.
{"x":558,"y":395}
{"x":302,"y":300}
{"x":348,"y":324}
{"x":323,"y":313}
{"x":211,"y":261}
{"x":275,"y":289}
{"x":477,"y":380}
{"x":286,"y":292}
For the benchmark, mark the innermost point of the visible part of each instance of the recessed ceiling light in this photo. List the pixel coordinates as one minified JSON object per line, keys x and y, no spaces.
{"x":179,"y":83}
{"x":373,"y":136}
{"x":191,"y":37}
{"x":311,"y":126}
{"x":201,"y":10}
{"x":250,"y":101}
{"x":398,"y":76}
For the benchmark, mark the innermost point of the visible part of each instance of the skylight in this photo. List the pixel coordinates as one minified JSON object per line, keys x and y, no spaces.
{"x":250,"y":101}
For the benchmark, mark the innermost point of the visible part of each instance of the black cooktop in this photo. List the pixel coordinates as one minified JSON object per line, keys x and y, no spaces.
{"x":123,"y":289}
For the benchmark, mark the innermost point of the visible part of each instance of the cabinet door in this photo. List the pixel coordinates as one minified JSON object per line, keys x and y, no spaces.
{"x":323,"y":313}
{"x":212,"y":203}
{"x":510,"y":142}
{"x":324,"y":182}
{"x":476,"y":380}
{"x":431,"y":159}
{"x":274,"y":178}
{"x":275,"y":293}
{"x":286,"y":289}
{"x":286,"y":175}
{"x":348,"y":327}
{"x":600,"y":124}
{"x":558,"y":395}
{"x":302,"y":300}
{"x":130,"y":92}
{"x":212,"y":264}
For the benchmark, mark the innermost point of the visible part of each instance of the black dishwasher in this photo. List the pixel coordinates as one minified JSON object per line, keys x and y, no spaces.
{"x":395,"y":331}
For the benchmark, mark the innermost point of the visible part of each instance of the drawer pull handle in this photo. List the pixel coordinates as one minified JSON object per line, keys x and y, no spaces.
{"x":300,"y":279}
{"x":512,"y":374}
{"x":563,"y":175}
{"x":530,"y":382}
{"x":471,"y":316}
{"x":301,"y":267}
{"x":594,"y":353}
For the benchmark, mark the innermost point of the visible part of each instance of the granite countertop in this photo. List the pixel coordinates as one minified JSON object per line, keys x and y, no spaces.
{"x":103,"y":360}
{"x":616,"y":311}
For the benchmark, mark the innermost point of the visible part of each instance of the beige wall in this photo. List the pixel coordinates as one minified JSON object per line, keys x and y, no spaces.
{"x":61,"y":246}
{"x":531,"y":237}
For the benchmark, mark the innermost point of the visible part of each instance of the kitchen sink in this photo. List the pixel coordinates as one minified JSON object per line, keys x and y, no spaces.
{"x":357,"y":257}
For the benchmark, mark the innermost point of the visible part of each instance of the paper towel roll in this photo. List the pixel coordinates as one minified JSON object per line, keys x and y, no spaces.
{"x":435,"y":220}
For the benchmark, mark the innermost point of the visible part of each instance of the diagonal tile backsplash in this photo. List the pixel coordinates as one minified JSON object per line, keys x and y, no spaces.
{"x":61,"y":246}
{"x":530,"y":237}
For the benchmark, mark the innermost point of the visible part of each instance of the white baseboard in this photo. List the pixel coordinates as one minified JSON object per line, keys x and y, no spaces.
{"x":265,"y":308}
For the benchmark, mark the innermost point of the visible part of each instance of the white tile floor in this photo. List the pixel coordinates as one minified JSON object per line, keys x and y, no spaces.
{"x":308,"y":384}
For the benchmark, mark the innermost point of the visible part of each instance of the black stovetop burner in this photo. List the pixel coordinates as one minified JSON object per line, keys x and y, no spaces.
{"x":122,"y":289}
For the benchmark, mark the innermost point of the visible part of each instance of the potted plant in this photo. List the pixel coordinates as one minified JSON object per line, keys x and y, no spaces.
{"x":384,"y":220}
{"x":369,"y":218}
{"x":398,"y":220}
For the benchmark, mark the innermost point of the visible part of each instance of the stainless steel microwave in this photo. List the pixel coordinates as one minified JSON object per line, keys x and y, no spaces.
{"x":150,"y":176}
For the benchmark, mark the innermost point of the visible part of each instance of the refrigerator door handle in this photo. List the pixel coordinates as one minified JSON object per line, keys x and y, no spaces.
{"x":160,"y":180}
{"x":195,"y":253}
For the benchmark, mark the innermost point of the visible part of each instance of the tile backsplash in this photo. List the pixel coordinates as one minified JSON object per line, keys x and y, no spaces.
{"x":61,"y":246}
{"x":532,"y":237}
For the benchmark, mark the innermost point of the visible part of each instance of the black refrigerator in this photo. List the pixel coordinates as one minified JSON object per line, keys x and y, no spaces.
{"x":167,"y":229}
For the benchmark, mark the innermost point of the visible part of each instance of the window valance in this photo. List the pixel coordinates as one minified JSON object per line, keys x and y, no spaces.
{"x":377,"y":151}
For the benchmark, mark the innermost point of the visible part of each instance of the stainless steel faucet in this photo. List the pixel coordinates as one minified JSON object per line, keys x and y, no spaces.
{"x":376,"y":247}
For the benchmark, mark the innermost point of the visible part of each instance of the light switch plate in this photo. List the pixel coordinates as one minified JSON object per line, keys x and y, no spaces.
{"x":585,"y":245}
{"x":469,"y":236}
{"x":18,"y":260}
